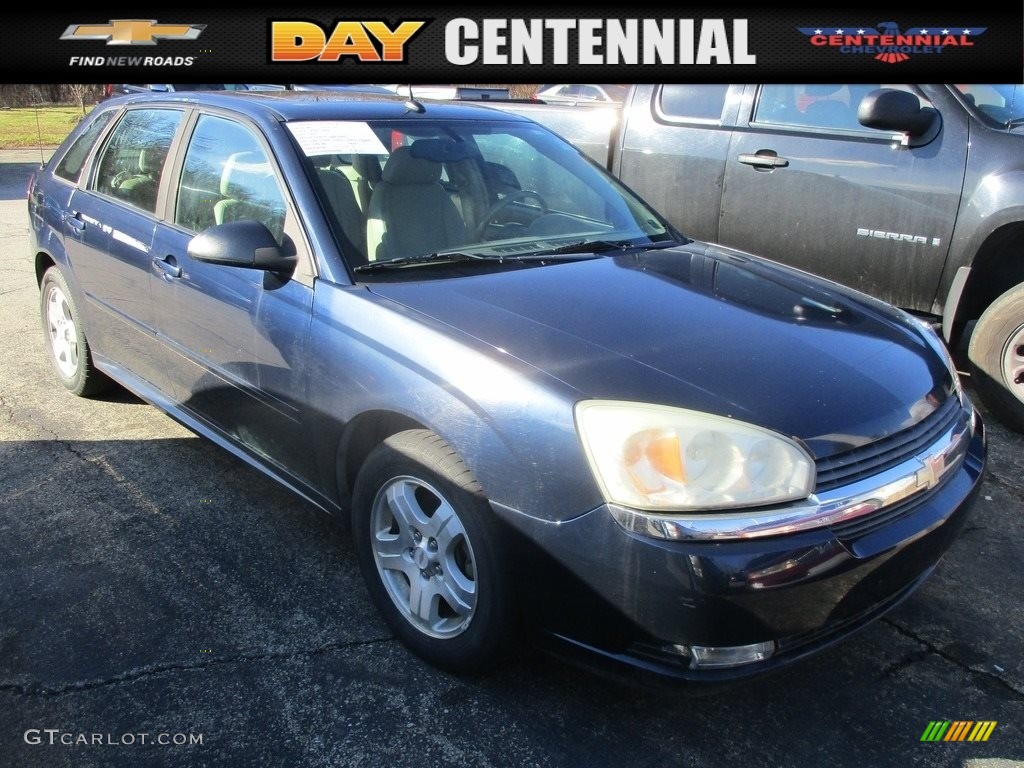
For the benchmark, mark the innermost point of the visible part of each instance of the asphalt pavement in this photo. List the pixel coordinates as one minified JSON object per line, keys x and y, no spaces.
{"x":161,"y":603}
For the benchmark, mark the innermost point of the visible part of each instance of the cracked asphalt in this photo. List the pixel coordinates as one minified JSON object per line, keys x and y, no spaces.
{"x":151,"y":584}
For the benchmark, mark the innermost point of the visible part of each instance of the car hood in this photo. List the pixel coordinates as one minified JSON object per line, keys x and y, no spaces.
{"x":705,"y":328}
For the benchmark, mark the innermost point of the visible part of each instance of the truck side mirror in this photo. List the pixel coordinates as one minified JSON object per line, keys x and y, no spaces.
{"x":890,"y":110}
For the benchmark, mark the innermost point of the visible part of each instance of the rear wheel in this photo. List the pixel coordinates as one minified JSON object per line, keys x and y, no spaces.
{"x":996,"y":352}
{"x":65,"y":337}
{"x":430,"y":552}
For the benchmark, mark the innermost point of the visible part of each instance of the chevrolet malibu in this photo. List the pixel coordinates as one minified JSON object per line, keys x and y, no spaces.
{"x":546,"y":414}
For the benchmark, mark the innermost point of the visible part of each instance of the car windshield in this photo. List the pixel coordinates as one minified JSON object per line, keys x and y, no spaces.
{"x":488,"y":190}
{"x":1000,"y":104}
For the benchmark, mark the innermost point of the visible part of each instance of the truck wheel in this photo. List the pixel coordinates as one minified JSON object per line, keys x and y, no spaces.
{"x":65,"y":338}
{"x":431,"y":553}
{"x":996,"y":352}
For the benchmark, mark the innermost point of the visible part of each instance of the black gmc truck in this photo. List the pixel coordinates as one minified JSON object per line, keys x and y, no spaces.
{"x":911,"y":193}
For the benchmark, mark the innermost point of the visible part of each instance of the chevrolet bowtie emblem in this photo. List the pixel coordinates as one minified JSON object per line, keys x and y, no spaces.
{"x":132,"y":32}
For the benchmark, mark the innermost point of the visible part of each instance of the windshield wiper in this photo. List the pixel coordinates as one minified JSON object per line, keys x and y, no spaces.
{"x":1013,"y":122}
{"x":604,"y":246}
{"x":458,"y":257}
{"x":441,"y":257}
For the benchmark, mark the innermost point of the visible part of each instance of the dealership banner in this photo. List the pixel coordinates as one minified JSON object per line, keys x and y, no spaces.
{"x":353,"y":43}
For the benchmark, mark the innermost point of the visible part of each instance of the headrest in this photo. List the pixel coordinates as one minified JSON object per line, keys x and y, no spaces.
{"x":405,"y":168}
{"x":243,"y":173}
{"x":150,"y":160}
{"x":367,"y":166}
{"x":323,"y":161}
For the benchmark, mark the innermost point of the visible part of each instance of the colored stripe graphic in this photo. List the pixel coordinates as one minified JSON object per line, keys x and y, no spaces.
{"x":958,"y":730}
{"x":982,"y":730}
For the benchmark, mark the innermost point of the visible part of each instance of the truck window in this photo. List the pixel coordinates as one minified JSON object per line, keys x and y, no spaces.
{"x":817,"y":105}
{"x":1000,"y":104}
{"x":692,"y":102}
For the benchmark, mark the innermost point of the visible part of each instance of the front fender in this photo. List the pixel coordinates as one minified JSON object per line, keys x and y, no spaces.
{"x":993,"y":200}
{"x":512,"y":425}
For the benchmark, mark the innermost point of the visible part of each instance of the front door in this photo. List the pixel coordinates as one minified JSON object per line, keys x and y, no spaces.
{"x":238,"y":337}
{"x":807,"y":185}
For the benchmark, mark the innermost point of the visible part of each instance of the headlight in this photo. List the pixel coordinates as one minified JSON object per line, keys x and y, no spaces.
{"x":657,"y":457}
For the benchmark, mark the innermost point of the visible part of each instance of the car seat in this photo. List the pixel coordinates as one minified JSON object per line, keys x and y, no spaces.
{"x":250,"y":192}
{"x":410,"y":212}
{"x":141,"y":189}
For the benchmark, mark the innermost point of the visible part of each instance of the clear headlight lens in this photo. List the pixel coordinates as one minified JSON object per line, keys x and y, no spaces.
{"x":658,"y":457}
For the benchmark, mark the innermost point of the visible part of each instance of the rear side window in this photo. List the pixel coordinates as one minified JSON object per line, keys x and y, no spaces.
{"x":692,"y":102}
{"x":70,"y":166}
{"x":132,"y":163}
{"x":228,"y":177}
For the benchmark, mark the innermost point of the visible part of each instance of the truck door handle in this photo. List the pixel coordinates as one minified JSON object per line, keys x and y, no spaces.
{"x":168,"y":266}
{"x":74,"y":220}
{"x":764,"y":159}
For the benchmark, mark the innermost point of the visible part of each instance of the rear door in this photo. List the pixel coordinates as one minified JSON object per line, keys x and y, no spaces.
{"x":807,"y":185}
{"x":237,"y":338}
{"x":109,"y":235}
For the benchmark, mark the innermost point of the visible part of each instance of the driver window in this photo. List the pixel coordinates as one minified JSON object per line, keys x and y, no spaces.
{"x":813,"y":105}
{"x":227,"y":177}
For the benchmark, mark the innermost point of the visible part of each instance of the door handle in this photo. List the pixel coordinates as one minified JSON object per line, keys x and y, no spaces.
{"x":764,"y":159}
{"x":74,"y":220}
{"x":168,"y":266}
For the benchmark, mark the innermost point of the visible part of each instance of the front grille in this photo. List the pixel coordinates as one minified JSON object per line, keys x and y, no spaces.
{"x":867,"y":460}
{"x":862,"y":526}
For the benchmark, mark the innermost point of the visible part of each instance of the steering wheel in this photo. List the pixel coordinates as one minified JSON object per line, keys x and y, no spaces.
{"x":120,"y":178}
{"x":519,"y":194}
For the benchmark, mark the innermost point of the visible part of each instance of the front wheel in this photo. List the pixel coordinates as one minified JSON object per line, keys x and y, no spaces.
{"x":996,"y":352}
{"x":65,"y":337}
{"x":430,"y":550}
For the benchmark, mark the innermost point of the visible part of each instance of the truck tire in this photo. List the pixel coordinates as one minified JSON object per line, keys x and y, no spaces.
{"x":996,"y":353}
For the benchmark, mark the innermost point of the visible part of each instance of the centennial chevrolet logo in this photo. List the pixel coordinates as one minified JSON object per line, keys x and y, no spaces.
{"x":132,"y":32}
{"x":887,"y":44}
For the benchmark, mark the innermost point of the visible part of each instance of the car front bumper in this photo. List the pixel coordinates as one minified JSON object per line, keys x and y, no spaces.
{"x":611,"y":598}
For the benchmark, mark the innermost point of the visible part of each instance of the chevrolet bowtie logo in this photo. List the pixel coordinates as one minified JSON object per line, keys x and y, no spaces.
{"x":132,"y":32}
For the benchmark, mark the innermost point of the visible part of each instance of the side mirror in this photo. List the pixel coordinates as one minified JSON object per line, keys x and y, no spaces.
{"x":890,"y":110}
{"x":242,"y":244}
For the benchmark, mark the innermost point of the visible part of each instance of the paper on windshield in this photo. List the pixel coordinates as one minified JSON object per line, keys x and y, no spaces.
{"x":336,"y":137}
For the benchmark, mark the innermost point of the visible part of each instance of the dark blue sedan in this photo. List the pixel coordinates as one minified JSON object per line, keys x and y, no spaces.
{"x":547,"y":414}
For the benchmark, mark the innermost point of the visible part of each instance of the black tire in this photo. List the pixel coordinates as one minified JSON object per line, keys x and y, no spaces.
{"x":996,"y":353}
{"x":416,"y":473}
{"x":66,"y":343}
